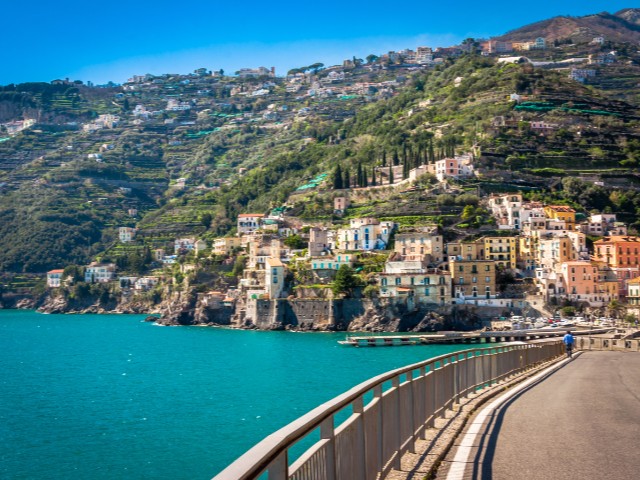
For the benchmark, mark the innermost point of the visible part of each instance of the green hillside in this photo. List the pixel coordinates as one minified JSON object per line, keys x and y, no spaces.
{"x":228,"y":145}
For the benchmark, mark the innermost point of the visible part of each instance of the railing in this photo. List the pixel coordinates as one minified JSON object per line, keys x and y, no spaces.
{"x":386,"y":416}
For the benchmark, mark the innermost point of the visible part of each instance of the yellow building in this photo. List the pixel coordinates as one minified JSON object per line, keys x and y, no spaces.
{"x":502,"y":250}
{"x":473,"y":279}
{"x":561,"y":213}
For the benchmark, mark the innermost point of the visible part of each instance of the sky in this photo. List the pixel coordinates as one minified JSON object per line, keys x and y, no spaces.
{"x":111,"y":41}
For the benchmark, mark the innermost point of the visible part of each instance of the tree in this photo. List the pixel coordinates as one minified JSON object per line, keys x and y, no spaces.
{"x":347,"y":179}
{"x":390,"y":175}
{"x":206,"y":219}
{"x":371,"y":58}
{"x":345,"y":281}
{"x":338,"y":184}
{"x":295,"y":242}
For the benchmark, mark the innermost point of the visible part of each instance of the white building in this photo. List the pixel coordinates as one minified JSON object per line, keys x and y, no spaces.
{"x":364,"y":234}
{"x":274,"y":277}
{"x":54,"y":277}
{"x":249,"y":222}
{"x":126,"y":234}
{"x":99,"y":272}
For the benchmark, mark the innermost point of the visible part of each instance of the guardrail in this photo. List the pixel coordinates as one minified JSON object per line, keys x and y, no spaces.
{"x":386,"y":416}
{"x":608,"y":344}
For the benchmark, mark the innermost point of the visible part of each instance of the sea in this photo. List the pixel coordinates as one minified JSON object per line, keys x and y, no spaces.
{"x":113,"y":396}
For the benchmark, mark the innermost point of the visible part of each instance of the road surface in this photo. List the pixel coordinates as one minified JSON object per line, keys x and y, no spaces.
{"x":581,"y":422}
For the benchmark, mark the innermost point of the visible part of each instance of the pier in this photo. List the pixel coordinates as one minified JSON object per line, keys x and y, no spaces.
{"x":466,"y":337}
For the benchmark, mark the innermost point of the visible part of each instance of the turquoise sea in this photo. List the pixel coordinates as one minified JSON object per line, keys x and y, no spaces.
{"x":110,"y":396}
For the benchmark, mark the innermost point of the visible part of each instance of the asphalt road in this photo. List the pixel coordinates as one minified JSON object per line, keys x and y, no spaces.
{"x":581,"y":422}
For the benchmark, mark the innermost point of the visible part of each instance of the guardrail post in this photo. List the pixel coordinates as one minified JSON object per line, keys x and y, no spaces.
{"x":279,"y":469}
{"x":327,"y":433}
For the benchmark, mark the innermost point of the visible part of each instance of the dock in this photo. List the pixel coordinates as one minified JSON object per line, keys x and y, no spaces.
{"x":465,"y":337}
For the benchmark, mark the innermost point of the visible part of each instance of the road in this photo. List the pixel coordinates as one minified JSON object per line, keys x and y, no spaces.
{"x":581,"y":422}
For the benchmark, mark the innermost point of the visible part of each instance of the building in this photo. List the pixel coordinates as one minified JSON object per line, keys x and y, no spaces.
{"x":54,"y":277}
{"x":274,"y":277}
{"x":249,"y":222}
{"x":318,"y":241}
{"x":416,"y":283}
{"x":622,"y":255}
{"x":472,"y":280}
{"x":100,"y":272}
{"x":126,"y":234}
{"x":364,"y":234}
{"x":186,"y":245}
{"x":460,"y":166}
{"x":501,"y":250}
{"x":225,"y":245}
{"x":424,"y":244}
{"x":506,"y":209}
{"x":332,"y":262}
{"x":340,"y":205}
{"x":633,"y":296}
{"x":562,"y":215}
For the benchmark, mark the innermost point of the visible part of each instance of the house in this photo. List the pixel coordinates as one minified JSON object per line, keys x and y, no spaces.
{"x":99,"y":272}
{"x":622,"y":255}
{"x":472,"y":280}
{"x":186,"y":245}
{"x":501,"y":250}
{"x":413,"y":281}
{"x":340,"y":205}
{"x":562,"y":214}
{"x":249,"y":222}
{"x":274,"y":277}
{"x":126,"y":234}
{"x":318,"y":241}
{"x":364,"y":234}
{"x":425,"y":243}
{"x":54,"y":277}
{"x":225,"y":245}
{"x":145,"y":284}
{"x":332,"y":262}
{"x":506,"y":209}
{"x":460,"y":166}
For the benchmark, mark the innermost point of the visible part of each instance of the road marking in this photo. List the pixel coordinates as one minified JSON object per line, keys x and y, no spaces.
{"x":460,"y":461}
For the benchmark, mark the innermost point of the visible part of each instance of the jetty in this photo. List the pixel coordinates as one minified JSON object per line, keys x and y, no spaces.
{"x":466,"y":337}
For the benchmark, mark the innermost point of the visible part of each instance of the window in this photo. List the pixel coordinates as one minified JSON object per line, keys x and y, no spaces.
{"x":383,"y":282}
{"x":475,"y":280}
{"x":426,"y":292}
{"x":487,"y":279}
{"x":487,"y":268}
{"x":426,"y":281}
{"x":398,"y":280}
{"x":461,"y":268}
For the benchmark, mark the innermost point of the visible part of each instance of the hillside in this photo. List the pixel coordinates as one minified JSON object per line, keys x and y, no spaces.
{"x":181,"y":155}
{"x":621,"y":27}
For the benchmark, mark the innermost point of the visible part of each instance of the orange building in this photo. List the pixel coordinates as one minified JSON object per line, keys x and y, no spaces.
{"x":622,"y":255}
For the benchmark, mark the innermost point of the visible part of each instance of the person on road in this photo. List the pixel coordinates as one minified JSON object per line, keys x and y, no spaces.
{"x":568,"y":343}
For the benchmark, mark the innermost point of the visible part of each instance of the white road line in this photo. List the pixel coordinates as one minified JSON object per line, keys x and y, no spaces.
{"x":461,"y":459}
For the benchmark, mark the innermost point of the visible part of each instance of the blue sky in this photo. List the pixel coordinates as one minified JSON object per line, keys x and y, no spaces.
{"x":102,"y":41}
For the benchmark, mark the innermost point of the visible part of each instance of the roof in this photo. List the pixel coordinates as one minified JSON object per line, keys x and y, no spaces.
{"x":274,"y":262}
{"x":617,"y":238}
{"x":251,"y":215}
{"x":55,"y":271}
{"x":561,"y":208}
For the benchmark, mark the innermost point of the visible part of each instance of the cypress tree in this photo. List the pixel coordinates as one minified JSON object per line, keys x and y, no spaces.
{"x":384,"y":158}
{"x":347,"y":180}
{"x":390,"y":175}
{"x":365,"y":181}
{"x":359,"y":180}
{"x":337,"y":178}
{"x":373,"y":177}
{"x":396,"y":159}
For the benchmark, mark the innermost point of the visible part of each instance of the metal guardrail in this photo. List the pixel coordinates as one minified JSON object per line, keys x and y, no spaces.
{"x":389,"y":413}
